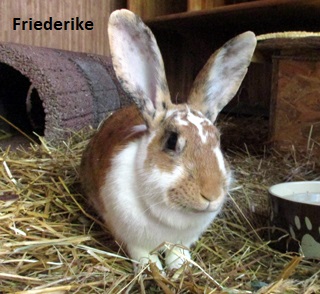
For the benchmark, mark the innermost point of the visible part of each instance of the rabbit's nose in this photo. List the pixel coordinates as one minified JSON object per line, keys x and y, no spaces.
{"x":206,"y":197}
{"x":211,"y":196}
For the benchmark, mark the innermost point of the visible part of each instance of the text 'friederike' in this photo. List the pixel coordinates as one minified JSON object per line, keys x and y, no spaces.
{"x":74,"y":24}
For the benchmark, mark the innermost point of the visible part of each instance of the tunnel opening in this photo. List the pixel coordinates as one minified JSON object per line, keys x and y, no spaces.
{"x":20,"y":104}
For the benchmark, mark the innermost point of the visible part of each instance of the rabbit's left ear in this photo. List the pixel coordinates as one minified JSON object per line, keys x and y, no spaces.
{"x":138,"y":63}
{"x":221,"y":77}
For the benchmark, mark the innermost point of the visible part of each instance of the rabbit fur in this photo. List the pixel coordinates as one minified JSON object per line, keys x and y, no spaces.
{"x":154,"y":171}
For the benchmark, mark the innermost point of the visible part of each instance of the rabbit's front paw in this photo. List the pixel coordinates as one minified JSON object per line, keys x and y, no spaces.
{"x":142,"y":258}
{"x":176,"y":257}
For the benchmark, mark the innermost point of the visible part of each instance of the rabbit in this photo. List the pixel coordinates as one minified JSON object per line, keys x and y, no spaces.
{"x":154,"y":171}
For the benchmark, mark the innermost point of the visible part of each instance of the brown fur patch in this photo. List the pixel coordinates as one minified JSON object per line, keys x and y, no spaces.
{"x":114,"y":134}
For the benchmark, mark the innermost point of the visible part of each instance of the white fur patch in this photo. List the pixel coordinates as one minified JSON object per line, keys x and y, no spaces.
{"x":164,"y":179}
{"x":181,"y":121}
{"x":139,"y":128}
{"x":198,"y":121}
{"x":122,"y":178}
{"x":220,"y":159}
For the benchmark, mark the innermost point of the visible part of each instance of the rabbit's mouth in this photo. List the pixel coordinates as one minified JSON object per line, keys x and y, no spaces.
{"x":215,"y":205}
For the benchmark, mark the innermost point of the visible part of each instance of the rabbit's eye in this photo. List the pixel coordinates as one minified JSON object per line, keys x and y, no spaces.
{"x":171,"y":143}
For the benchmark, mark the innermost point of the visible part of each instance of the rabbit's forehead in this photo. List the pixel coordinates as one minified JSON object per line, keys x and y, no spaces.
{"x":194,"y":121}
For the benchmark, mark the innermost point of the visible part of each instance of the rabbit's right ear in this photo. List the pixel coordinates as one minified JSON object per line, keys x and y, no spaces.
{"x":138,"y":64}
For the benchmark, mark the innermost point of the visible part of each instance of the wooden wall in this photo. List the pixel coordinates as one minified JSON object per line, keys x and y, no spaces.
{"x":91,"y":41}
{"x":295,"y":119}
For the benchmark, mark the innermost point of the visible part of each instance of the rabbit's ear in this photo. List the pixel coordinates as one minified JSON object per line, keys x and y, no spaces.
{"x":221,"y":77}
{"x":138,"y":63}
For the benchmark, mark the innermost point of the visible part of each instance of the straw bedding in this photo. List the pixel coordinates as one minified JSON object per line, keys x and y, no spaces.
{"x":51,"y":242}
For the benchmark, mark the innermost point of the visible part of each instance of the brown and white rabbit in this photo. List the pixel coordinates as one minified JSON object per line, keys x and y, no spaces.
{"x":154,"y":171}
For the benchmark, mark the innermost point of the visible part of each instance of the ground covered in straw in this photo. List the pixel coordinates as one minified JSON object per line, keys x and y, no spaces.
{"x":50,"y":242}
